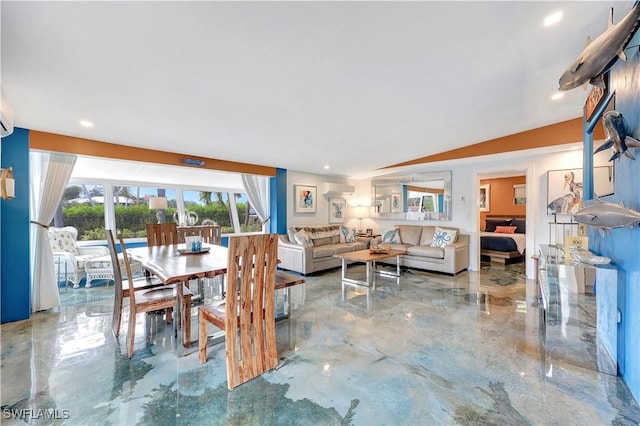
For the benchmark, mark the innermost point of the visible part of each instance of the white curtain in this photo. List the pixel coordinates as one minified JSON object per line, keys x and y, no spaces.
{"x":257,"y":189}
{"x":50,"y":173}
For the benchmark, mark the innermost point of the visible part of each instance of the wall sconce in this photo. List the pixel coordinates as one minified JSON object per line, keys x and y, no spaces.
{"x":160,"y":204}
{"x":7,"y":184}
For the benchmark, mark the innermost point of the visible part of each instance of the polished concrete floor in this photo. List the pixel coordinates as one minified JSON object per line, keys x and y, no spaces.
{"x":443,"y":350}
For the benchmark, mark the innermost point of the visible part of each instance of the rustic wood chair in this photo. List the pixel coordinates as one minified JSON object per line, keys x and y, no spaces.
{"x":146,"y":300}
{"x":138,"y":284}
{"x":210,"y":233}
{"x":162,"y":234}
{"x":247,"y":315}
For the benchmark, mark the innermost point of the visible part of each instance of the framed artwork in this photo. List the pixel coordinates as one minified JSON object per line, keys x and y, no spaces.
{"x":564,"y":191}
{"x":305,"y":199}
{"x":337,"y":210}
{"x":484,"y":197}
{"x":564,"y":188}
{"x":595,"y":98}
{"x":396,"y":204}
{"x":380,"y":208}
{"x":519,"y":195}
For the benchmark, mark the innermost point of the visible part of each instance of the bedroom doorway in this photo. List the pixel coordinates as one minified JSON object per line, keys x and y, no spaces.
{"x":502,"y":220}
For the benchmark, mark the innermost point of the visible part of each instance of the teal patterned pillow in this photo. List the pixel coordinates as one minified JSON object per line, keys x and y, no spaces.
{"x":391,"y":236}
{"x":443,"y":237}
{"x":347,"y":234}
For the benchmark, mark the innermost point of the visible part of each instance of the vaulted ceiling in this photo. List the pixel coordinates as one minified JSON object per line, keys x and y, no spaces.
{"x":299,"y":85}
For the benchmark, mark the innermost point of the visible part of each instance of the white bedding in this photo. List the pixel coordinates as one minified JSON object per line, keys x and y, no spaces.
{"x":520,"y":239}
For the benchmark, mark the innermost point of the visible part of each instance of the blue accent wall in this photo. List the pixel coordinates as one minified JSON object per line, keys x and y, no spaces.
{"x":278,"y":202}
{"x":623,"y":245}
{"x":15,"y":289}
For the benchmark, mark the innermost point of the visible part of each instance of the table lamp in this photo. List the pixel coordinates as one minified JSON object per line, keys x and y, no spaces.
{"x":159,"y":204}
{"x":360,"y":212}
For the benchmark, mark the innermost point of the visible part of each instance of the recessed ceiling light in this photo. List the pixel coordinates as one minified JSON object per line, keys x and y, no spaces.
{"x":326,"y":167}
{"x":557,"y":96}
{"x":86,"y":123}
{"x":553,"y":19}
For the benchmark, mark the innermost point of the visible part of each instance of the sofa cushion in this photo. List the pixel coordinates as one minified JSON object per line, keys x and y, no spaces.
{"x":427,"y":235}
{"x":410,"y":234}
{"x":341,"y":248}
{"x":426,"y":251}
{"x":444,"y":236}
{"x":322,"y":241}
{"x":323,"y":251}
{"x":302,"y":237}
{"x":391,"y":236}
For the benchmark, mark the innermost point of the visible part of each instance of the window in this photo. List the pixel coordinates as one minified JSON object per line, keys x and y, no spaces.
{"x":82,"y":206}
{"x":131,"y":208}
{"x":127,"y":209}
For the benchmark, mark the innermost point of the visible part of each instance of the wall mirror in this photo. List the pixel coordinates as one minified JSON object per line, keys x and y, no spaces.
{"x":417,"y":196}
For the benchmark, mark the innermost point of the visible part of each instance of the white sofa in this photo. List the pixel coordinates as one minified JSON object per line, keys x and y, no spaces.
{"x":417,"y":241}
{"x":318,"y":253}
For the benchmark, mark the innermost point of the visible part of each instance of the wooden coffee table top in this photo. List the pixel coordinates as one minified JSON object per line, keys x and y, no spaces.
{"x":366,"y":256}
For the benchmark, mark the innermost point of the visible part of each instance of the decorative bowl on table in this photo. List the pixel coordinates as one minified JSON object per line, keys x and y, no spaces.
{"x":380,"y":249}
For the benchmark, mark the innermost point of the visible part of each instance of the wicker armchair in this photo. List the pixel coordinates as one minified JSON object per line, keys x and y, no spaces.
{"x":66,"y":252}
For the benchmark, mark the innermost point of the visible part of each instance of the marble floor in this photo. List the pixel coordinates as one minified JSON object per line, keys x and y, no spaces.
{"x":443,"y":350}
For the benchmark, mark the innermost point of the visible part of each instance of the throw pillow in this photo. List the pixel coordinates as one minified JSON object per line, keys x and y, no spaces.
{"x":347,"y":235}
{"x":63,"y":241}
{"x":391,"y":236}
{"x":443,"y":237}
{"x":302,"y":237}
{"x":492,"y":223}
{"x":506,"y":229}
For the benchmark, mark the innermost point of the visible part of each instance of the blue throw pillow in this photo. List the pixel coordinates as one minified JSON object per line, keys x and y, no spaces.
{"x":348,"y":234}
{"x":391,"y":236}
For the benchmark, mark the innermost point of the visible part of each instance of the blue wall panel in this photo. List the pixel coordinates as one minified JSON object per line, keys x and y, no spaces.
{"x":623,"y":245}
{"x":15,"y":289}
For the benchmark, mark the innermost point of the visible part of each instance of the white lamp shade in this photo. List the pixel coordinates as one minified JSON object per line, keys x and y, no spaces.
{"x":158,"y":203}
{"x":359,"y":212}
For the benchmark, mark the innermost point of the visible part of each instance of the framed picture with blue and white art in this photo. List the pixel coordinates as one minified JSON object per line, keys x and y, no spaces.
{"x":337,"y":209}
{"x":305,"y":199}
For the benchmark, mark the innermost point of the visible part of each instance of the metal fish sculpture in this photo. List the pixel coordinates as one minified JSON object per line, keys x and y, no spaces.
{"x":606,"y":216}
{"x":617,"y":137}
{"x":600,"y":54}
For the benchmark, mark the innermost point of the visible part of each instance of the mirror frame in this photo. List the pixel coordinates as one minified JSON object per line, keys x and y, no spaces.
{"x":399,"y":179}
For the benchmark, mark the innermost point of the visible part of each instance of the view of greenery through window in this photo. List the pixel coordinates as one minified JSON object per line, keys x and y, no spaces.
{"x":83,"y":207}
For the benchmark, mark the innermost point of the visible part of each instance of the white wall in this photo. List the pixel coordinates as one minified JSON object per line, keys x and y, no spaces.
{"x":464,"y":198}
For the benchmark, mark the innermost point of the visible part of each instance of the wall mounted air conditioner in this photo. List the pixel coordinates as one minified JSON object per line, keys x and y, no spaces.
{"x":331,"y":189}
{"x":6,"y":116}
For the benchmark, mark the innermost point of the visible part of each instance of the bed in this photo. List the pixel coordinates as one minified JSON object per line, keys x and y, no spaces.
{"x":504,"y":239}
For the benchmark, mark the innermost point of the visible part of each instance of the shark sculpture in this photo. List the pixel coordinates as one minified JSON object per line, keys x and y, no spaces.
{"x":606,"y":216}
{"x":600,"y":54}
{"x":617,"y":137}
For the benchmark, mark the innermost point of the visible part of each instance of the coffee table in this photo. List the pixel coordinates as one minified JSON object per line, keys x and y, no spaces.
{"x":370,"y":260}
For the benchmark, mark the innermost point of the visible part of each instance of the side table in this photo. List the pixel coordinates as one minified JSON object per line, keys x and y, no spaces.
{"x":61,"y":272}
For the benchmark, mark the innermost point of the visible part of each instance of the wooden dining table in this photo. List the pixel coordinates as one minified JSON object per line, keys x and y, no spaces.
{"x":174,"y":264}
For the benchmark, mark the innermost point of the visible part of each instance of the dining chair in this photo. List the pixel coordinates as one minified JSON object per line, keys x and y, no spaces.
{"x":210,"y":233}
{"x":138,"y":284}
{"x":162,"y":234}
{"x":148,"y":299}
{"x":247,"y":315}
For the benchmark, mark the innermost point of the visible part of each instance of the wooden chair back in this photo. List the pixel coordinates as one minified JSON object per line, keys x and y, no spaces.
{"x":162,"y":234}
{"x":117,"y":278}
{"x":210,"y":233}
{"x":251,"y":334}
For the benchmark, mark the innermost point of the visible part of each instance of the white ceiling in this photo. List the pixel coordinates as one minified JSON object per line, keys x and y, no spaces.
{"x":355,"y":85}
